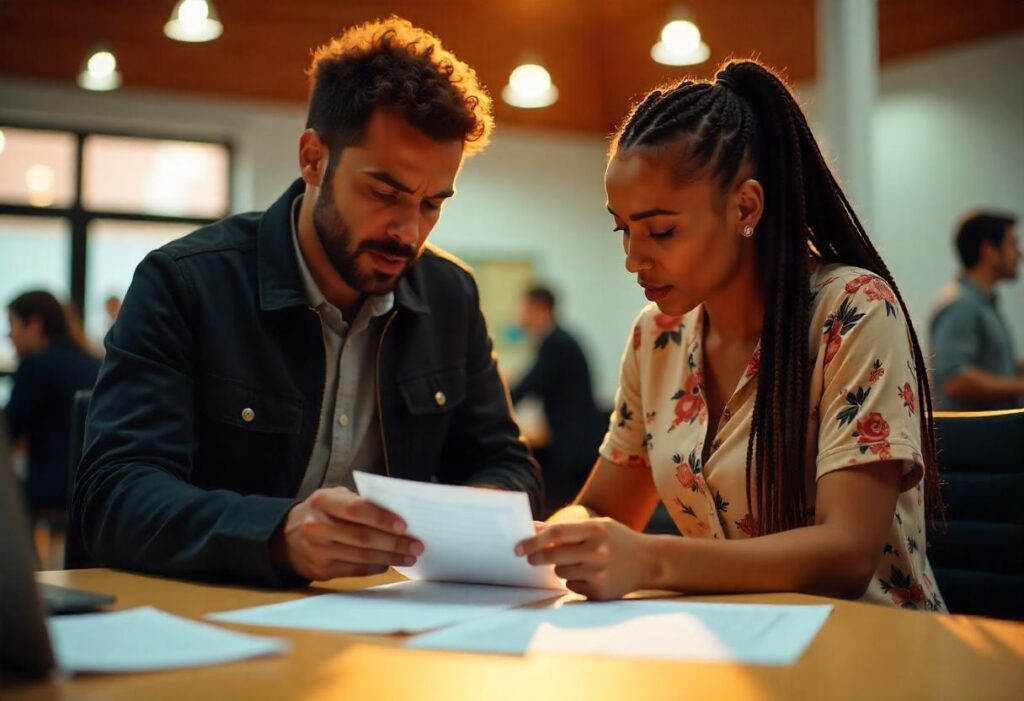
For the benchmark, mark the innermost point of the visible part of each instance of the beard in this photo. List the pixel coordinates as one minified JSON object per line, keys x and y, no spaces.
{"x":336,"y":238}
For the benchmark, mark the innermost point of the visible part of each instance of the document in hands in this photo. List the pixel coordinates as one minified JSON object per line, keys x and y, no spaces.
{"x":468,"y":533}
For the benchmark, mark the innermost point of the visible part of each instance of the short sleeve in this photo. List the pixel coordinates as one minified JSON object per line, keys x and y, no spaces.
{"x":954,"y":339}
{"x":625,"y":442}
{"x":868,"y":410}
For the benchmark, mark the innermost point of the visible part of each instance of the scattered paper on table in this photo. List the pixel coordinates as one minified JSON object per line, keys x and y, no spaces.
{"x":408,"y":607}
{"x":469,"y":534}
{"x":744,"y":633}
{"x":145,"y":638}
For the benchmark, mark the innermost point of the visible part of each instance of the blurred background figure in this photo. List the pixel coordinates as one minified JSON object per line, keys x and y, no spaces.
{"x":52,"y":365}
{"x":560,"y":377}
{"x":974,"y":361}
{"x":112,"y":306}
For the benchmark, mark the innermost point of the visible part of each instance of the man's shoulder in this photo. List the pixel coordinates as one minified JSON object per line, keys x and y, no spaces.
{"x":951,"y":304}
{"x":236,"y":233}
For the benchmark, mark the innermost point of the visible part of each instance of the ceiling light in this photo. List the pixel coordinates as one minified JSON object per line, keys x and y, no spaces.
{"x":39,"y":180}
{"x":3,"y":141}
{"x":100,"y":71}
{"x":529,"y":86}
{"x":680,"y":44}
{"x":193,"y":20}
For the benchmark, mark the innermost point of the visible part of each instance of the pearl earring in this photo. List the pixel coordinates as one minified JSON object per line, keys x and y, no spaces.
{"x":748,"y":231}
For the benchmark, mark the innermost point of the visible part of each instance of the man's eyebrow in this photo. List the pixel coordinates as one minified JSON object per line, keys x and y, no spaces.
{"x":392,"y":181}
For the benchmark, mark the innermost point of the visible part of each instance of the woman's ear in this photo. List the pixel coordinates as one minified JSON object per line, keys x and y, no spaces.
{"x":750,"y":202}
{"x":313,"y":154}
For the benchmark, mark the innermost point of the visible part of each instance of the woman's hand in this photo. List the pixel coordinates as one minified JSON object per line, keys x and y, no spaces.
{"x":599,"y":558}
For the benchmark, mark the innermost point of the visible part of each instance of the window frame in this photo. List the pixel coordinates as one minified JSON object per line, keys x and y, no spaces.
{"x":78,"y":217}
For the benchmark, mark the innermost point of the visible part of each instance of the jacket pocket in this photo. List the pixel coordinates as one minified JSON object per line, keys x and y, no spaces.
{"x":435,"y":392}
{"x":240,"y":405}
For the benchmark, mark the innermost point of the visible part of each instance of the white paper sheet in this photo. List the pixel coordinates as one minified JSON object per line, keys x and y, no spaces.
{"x":468,"y":534}
{"x":408,"y":607}
{"x":145,"y":639}
{"x":744,"y":633}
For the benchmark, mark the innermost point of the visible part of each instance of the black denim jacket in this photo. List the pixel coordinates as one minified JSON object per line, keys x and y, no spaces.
{"x":207,"y":405}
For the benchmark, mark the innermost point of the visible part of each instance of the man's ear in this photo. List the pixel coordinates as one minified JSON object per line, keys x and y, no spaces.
{"x":313,"y":155}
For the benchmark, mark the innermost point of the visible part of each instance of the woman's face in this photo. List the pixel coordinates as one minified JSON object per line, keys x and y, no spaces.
{"x":679,"y":240}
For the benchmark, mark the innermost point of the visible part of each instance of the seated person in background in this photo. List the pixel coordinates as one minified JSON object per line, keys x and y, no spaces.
{"x":53,"y":366}
{"x":560,"y":376}
{"x":975,"y":367}
{"x":256,"y":363}
{"x":774,"y":395}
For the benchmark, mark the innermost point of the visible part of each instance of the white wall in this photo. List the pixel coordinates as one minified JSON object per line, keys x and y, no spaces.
{"x":949,"y":135}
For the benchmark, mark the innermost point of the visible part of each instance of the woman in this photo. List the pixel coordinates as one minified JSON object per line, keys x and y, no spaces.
{"x":775,"y":395}
{"x":54,"y":364}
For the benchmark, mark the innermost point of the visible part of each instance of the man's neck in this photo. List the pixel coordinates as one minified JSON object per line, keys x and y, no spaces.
{"x":984,"y":278}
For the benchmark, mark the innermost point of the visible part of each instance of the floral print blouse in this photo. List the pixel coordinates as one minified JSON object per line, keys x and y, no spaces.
{"x":863,"y":409}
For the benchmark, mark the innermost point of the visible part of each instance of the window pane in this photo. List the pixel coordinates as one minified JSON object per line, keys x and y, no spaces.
{"x":115,"y":249}
{"x":37,"y":167}
{"x":122,"y":174}
{"x":35,"y":253}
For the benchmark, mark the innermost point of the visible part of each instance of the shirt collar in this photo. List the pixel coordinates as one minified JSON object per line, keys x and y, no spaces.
{"x":376,"y":305}
{"x":972,"y":288}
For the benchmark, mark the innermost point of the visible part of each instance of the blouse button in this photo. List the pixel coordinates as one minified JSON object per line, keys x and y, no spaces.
{"x":248,"y":415}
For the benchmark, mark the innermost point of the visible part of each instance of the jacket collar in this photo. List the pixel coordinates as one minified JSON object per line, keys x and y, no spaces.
{"x":279,"y":278}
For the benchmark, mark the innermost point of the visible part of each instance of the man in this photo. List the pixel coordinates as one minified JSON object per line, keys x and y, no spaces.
{"x":560,"y":376}
{"x":259,"y":361}
{"x":975,"y":367}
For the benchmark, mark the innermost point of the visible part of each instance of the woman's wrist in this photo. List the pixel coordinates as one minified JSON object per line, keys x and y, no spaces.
{"x":659,"y":557}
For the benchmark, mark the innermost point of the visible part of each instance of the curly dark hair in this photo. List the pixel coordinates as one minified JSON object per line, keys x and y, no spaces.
{"x":393,"y":65}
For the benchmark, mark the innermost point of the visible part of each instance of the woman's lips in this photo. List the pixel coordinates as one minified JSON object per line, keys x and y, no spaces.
{"x":654,"y":293}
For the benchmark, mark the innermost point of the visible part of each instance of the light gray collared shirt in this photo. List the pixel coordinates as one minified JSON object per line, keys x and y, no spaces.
{"x":348,"y":436}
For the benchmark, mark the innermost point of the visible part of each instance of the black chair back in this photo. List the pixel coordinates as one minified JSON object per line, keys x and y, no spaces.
{"x":979,"y":557}
{"x":74,"y":549}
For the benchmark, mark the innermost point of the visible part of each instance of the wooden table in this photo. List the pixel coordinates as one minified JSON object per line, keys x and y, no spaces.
{"x":864,"y":652}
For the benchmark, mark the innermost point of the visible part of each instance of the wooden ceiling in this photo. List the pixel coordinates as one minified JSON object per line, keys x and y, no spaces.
{"x":598,"y":51}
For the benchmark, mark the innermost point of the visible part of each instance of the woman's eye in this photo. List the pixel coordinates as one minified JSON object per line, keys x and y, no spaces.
{"x":662,"y":234}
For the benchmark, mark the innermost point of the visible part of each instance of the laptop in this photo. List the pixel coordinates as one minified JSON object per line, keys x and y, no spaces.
{"x":24,"y":642}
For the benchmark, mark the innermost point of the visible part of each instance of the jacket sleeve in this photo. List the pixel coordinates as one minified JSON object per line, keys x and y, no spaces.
{"x":484,"y":446}
{"x":133,"y":503}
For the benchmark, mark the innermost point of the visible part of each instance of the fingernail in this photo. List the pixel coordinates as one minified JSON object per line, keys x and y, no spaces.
{"x":408,"y":560}
{"x":397,"y":526}
{"x":416,"y":548}
{"x":520,"y":549}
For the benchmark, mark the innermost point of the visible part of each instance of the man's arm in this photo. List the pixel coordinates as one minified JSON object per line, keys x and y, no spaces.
{"x":133,"y":501}
{"x":484,"y":446}
{"x":956,"y":350}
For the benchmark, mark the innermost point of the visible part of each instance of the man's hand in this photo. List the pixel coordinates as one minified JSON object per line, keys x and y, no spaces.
{"x":336,"y":533}
{"x":599,"y":558}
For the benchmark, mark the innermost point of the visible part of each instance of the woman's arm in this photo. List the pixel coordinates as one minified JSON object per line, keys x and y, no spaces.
{"x":836,"y":556}
{"x":602,"y":495}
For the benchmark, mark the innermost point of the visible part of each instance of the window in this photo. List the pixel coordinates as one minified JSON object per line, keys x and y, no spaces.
{"x":78,"y":211}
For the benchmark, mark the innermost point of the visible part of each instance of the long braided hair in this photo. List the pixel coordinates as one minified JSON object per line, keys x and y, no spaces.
{"x":747,"y":116}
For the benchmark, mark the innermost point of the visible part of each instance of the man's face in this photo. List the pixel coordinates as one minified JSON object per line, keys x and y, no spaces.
{"x":381,"y":199}
{"x":26,"y":337}
{"x":1008,"y":258}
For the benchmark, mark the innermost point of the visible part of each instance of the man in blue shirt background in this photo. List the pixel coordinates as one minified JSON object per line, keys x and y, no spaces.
{"x":975,"y":367}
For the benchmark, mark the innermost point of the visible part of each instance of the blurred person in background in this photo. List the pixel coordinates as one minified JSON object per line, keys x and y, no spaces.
{"x":560,"y":377}
{"x":53,"y":365}
{"x":975,"y":365}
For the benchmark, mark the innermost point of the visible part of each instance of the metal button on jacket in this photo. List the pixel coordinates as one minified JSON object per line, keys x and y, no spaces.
{"x":248,"y":415}
{"x":440,"y":398}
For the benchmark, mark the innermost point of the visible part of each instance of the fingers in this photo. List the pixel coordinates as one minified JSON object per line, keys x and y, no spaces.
{"x":344,"y":505}
{"x":561,"y":534}
{"x":576,"y":554}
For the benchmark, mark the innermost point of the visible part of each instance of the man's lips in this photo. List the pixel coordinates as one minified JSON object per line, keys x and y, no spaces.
{"x":387,"y":263}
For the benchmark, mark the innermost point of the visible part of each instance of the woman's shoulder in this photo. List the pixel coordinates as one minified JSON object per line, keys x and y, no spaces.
{"x":832,"y":282}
